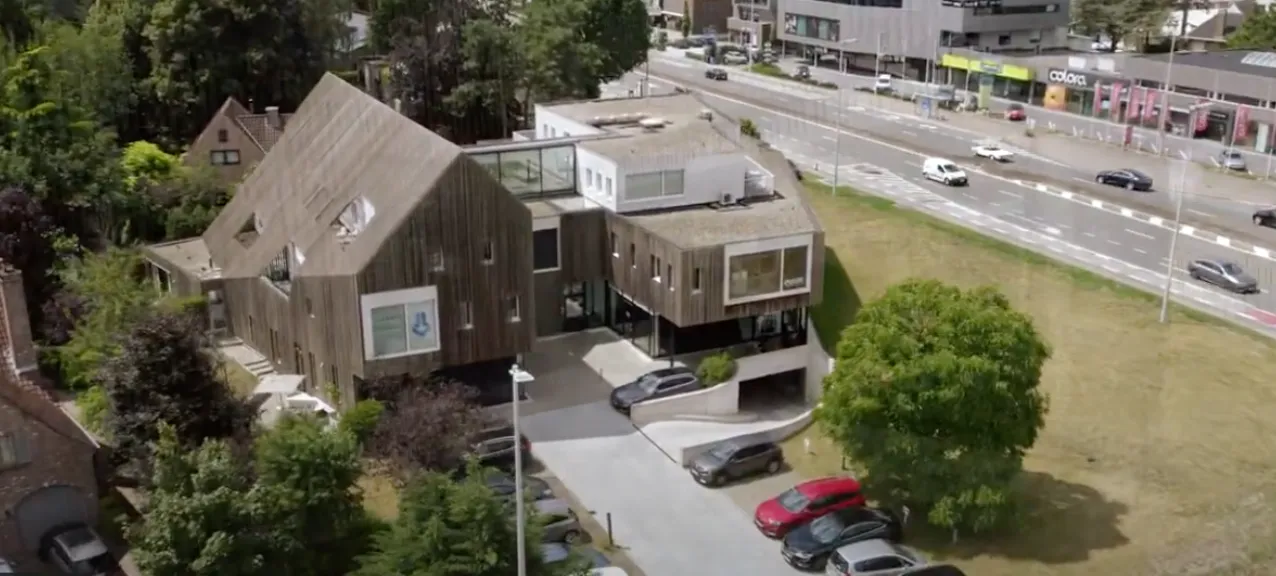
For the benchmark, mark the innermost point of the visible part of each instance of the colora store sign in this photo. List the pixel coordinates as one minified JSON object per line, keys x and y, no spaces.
{"x":1070,"y":78}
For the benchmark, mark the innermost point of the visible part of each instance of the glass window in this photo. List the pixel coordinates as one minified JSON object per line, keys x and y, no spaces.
{"x":490,"y":162}
{"x":223,"y":157}
{"x":389,"y":330}
{"x":754,"y":274}
{"x":598,"y":180}
{"x":545,"y":249}
{"x":513,"y":309}
{"x":794,"y":268}
{"x":695,"y":280}
{"x":644,"y":186}
{"x":673,"y":182}
{"x":559,"y":169}
{"x":589,"y":178}
{"x":521,"y":171}
{"x":609,"y":185}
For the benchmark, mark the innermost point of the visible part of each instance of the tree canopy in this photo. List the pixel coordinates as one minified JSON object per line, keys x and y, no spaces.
{"x":1117,"y":20}
{"x":1257,"y":32}
{"x":427,"y":426}
{"x":935,"y":395}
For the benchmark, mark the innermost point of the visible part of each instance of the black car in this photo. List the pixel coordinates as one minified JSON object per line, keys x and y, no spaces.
{"x":660,"y":383}
{"x":1125,"y":178}
{"x":808,"y":546}
{"x":1265,"y":217}
{"x":494,"y":448}
{"x":736,"y":459}
{"x":715,"y":74}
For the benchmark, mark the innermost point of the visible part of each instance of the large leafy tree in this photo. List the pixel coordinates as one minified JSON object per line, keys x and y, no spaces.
{"x":935,"y":395}
{"x":1257,"y":32}
{"x":1118,"y":19}
{"x":166,"y":372}
{"x":452,"y":528}
{"x":427,"y":425}
{"x":26,"y":242}
{"x":97,"y":73}
{"x":103,"y":292}
{"x":202,"y":51}
{"x":621,"y":30}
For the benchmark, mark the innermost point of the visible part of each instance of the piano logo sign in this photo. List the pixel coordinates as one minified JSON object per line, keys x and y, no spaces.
{"x":421,"y":327}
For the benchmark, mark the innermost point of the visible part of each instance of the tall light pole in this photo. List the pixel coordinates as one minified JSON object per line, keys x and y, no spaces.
{"x":1178,"y":222}
{"x":1165,"y":98}
{"x":837,"y":122}
{"x":518,"y":377}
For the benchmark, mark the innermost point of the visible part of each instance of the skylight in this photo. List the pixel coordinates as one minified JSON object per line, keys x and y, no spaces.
{"x":354,"y":219}
{"x":1263,"y":59}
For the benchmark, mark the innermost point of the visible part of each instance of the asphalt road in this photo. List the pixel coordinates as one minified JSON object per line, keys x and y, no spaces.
{"x":1134,"y":249}
{"x":857,"y":113}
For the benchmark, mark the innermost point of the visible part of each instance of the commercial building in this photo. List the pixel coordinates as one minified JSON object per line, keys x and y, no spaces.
{"x":911,"y":34}
{"x":364,"y":245}
{"x":1237,"y":87}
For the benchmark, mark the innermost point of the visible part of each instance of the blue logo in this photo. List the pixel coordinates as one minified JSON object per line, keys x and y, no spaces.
{"x":420,"y":324}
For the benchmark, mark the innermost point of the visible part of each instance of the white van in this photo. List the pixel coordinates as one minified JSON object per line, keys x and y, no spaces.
{"x":883,"y":83}
{"x":943,"y":171}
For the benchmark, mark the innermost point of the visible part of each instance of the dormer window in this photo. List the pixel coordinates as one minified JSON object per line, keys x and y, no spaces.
{"x":354,"y":219}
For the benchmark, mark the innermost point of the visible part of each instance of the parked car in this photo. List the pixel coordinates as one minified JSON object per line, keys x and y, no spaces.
{"x":561,"y":523}
{"x":557,"y":552}
{"x":494,"y":447}
{"x":502,"y":484}
{"x":660,"y":383}
{"x":1125,"y":178}
{"x":715,"y":74}
{"x":1224,"y":274}
{"x":736,"y":459}
{"x":1232,"y":160}
{"x":883,"y":84}
{"x":77,"y":549}
{"x":944,"y":172}
{"x":934,"y":570}
{"x":808,"y":546}
{"x":1016,"y":113}
{"x":874,"y":558}
{"x":805,"y":502}
{"x":993,"y":151}
{"x":1265,"y":217}
{"x":803,"y":72}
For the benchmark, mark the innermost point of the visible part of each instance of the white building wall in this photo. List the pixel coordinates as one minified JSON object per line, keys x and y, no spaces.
{"x":593,"y":172}
{"x":705,"y":179}
{"x":550,"y":124}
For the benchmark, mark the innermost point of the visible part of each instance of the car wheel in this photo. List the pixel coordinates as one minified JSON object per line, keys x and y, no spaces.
{"x":1100,"y":180}
{"x":773,"y":466}
{"x":1129,"y":186}
{"x":1258,"y":220}
{"x":572,"y":537}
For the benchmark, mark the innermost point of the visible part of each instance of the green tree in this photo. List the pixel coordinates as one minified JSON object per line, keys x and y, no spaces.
{"x":1118,"y":19}
{"x":935,"y":394}
{"x":96,"y":72}
{"x":621,"y":29}
{"x":202,"y":51}
{"x":191,"y":201}
{"x":1257,"y":32}
{"x":451,"y":528}
{"x":559,"y":64}
{"x":109,"y":286}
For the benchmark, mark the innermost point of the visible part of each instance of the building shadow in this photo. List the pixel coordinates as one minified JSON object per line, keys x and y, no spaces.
{"x":1058,"y":522}
{"x":840,"y":304}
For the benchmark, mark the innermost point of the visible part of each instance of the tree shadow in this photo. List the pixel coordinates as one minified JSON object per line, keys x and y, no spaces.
{"x":840,"y":304}
{"x":1059,"y":522}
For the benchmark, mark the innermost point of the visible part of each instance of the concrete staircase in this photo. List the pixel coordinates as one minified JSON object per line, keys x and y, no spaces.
{"x":253,"y":361}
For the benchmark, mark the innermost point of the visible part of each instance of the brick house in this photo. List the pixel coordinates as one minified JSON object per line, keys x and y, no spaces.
{"x":236,"y":139}
{"x":47,"y":461}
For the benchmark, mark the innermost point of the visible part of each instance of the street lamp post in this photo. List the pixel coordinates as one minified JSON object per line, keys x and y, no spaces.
{"x":1178,"y":222}
{"x":1165,"y":97}
{"x":518,"y":377}
{"x":837,"y":122}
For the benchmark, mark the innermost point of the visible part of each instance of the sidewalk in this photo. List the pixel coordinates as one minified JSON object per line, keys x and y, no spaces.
{"x":1202,"y":180}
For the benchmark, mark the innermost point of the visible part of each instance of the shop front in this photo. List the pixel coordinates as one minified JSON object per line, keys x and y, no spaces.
{"x":988,"y":78}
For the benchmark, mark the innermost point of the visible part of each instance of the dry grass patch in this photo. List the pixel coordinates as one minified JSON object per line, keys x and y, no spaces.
{"x":380,"y":494}
{"x":239,"y":379}
{"x":1159,"y":449}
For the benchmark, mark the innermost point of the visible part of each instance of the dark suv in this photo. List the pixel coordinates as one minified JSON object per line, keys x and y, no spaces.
{"x":736,"y":459}
{"x":715,"y":74}
{"x":494,"y":448}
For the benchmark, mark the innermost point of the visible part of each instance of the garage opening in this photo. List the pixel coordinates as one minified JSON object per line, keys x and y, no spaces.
{"x":782,"y":390}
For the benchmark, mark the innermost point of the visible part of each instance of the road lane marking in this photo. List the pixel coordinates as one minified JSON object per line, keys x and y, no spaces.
{"x":1137,"y":233}
{"x":1187,"y":230}
{"x":1111,"y":268}
{"x":1223,"y":241}
{"x":1113,"y":242}
{"x":1140,"y":251}
{"x":1096,"y":203}
{"x":1067,"y":195}
{"x":829,"y":138}
{"x":1205,"y":214}
{"x":1156,"y":220}
{"x":1090,"y":234}
{"x":1265,"y":253}
{"x":1009,"y":193}
{"x":909,"y":133}
{"x":1128,"y":213}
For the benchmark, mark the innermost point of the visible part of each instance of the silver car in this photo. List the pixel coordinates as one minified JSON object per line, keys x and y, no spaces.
{"x":560,"y":521}
{"x":1224,"y":274}
{"x":1232,"y":160}
{"x":874,"y":558}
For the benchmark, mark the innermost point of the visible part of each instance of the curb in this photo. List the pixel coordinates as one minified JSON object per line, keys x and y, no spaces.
{"x":1184,"y":229}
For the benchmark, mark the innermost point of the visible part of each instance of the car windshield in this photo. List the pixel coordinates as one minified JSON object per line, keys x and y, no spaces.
{"x":948,"y":168}
{"x":1139,"y":175}
{"x":826,"y":528}
{"x":720,"y":453}
{"x":794,"y":501}
{"x":1230,"y":268}
{"x":1232,"y":155}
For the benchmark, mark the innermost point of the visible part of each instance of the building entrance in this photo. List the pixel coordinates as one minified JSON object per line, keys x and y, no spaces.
{"x":583,"y":305}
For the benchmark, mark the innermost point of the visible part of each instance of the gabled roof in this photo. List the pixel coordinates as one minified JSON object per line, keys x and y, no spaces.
{"x":40,"y":406}
{"x":257,"y":127}
{"x":341,"y":145}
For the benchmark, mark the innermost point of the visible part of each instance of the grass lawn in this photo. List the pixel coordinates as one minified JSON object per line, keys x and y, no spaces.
{"x":380,"y":496}
{"x":1159,"y":449}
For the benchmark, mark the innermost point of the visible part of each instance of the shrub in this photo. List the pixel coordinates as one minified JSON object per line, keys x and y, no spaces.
{"x":361,"y":420}
{"x":662,"y":40}
{"x":715,"y":369}
{"x":748,"y":128}
{"x":93,"y":407}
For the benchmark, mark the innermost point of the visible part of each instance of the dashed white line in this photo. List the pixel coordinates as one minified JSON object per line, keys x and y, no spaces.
{"x":1194,"y":211}
{"x":1111,"y":268}
{"x":1223,"y":241}
{"x":1141,"y":234}
{"x":1140,"y":251}
{"x":1187,"y":230}
{"x":1008,"y":193}
{"x":1090,"y":234}
{"x":908,"y":132}
{"x":1113,"y":242}
{"x":1096,"y":203}
{"x":1156,"y":220}
{"x":1128,"y":213}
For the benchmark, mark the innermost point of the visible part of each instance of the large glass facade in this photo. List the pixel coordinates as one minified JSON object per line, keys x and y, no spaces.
{"x":532,"y":171}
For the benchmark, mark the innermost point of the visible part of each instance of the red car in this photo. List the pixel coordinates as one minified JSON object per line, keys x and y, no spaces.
{"x":805,"y":502}
{"x":1016,"y":113}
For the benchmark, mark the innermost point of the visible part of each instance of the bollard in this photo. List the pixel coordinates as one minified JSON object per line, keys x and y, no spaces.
{"x":611,"y":540}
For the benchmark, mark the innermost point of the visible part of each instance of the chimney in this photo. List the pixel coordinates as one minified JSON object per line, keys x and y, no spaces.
{"x":272,"y":116}
{"x":18,"y":346}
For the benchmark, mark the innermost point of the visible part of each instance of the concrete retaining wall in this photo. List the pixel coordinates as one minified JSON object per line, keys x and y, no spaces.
{"x":780,"y":432}
{"x":818,"y":365}
{"x":719,"y":401}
